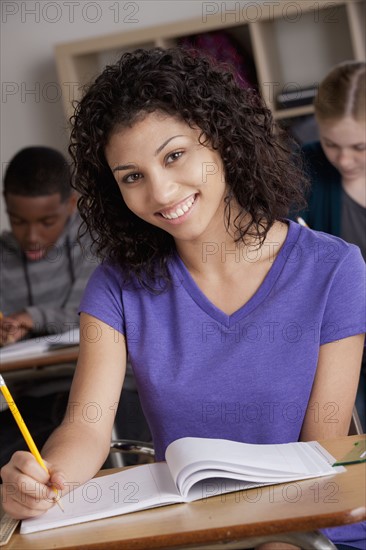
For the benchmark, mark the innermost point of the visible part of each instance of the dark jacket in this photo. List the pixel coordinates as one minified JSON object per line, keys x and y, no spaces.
{"x":324,"y":200}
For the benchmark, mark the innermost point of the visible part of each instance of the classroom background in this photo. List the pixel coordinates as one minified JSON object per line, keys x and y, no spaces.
{"x":284,"y":48}
{"x":32,"y":110}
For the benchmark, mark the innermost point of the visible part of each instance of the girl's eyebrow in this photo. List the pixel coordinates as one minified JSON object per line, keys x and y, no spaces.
{"x":335,"y":143}
{"x":123,"y":167}
{"x":159,"y":149}
{"x":134,"y":166}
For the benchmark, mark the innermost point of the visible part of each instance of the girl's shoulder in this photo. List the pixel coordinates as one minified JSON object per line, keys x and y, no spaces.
{"x":323,"y":249}
{"x":110,"y":273}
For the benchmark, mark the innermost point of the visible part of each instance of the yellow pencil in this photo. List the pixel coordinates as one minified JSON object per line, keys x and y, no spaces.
{"x":25,"y":432}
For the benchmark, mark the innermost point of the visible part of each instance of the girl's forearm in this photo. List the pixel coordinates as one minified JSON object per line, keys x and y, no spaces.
{"x":77,"y":451}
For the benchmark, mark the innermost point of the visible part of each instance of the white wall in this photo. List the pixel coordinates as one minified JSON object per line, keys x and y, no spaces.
{"x":31,"y":106}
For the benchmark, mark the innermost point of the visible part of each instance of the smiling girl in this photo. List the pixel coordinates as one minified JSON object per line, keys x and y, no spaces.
{"x":237,"y":321}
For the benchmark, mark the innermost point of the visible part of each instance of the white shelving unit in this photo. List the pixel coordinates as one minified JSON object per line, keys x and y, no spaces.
{"x":293,"y":44}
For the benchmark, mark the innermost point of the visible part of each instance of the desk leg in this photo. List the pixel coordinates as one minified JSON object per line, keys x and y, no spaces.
{"x":116,"y":459}
{"x":312,"y":540}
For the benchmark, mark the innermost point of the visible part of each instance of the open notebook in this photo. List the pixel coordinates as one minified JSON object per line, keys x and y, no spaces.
{"x":195,"y":468}
{"x":39,"y":345}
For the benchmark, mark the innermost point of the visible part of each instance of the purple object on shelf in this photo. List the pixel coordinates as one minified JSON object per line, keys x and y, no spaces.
{"x":219,"y":45}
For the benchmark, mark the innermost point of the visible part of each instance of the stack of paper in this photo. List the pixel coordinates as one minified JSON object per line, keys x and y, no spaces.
{"x":39,"y":345}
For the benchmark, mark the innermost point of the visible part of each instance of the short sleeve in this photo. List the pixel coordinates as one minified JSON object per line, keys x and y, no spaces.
{"x":345,"y":309}
{"x":102,"y":297}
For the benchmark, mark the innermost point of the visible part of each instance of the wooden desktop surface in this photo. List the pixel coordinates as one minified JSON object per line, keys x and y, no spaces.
{"x":48,"y":358}
{"x":301,"y":506}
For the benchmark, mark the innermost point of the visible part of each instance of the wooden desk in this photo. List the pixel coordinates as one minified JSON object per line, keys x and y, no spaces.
{"x":236,"y":520}
{"x":54,"y":357}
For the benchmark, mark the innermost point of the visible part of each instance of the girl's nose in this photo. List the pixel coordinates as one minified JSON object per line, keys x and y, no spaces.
{"x":344,"y":158}
{"x":162,"y":189}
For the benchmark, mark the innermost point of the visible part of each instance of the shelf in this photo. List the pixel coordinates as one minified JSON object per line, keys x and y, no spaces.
{"x":287,"y":43}
{"x":280,"y":114}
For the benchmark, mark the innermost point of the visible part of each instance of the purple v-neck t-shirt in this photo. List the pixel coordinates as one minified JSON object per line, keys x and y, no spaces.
{"x":246,"y":376}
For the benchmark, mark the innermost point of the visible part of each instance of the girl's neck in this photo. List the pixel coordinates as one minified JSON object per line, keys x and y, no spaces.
{"x":222,"y":257}
{"x":228,"y":274}
{"x":211,"y":255}
{"x":356,"y":189}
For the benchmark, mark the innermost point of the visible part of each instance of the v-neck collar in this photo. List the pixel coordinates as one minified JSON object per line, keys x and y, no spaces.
{"x":216,"y":313}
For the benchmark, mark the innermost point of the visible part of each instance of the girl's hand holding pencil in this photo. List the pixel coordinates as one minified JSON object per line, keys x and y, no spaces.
{"x":33,"y":490}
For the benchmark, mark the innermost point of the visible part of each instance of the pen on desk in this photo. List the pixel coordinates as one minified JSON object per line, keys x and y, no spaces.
{"x":302,"y":222}
{"x":25,"y":432}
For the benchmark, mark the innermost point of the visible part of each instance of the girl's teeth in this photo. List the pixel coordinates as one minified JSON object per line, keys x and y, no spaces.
{"x":180,"y":211}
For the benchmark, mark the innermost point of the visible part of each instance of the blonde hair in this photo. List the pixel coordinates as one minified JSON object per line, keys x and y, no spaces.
{"x":342,"y":93}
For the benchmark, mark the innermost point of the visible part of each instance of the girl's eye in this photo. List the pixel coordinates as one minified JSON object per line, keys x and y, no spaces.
{"x":173,"y":156}
{"x":360,"y":148}
{"x":131,"y":178}
{"x":330,"y":145}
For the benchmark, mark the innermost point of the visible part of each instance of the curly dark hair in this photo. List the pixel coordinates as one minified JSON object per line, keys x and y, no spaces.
{"x":260,"y":174}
